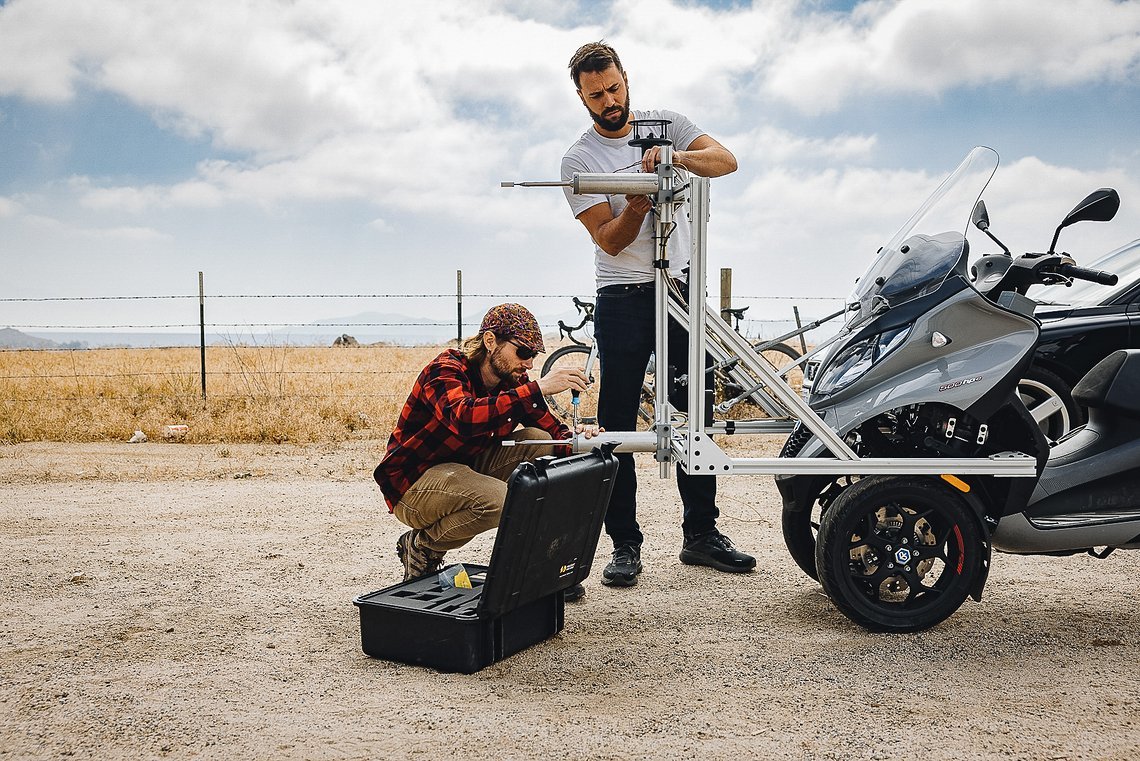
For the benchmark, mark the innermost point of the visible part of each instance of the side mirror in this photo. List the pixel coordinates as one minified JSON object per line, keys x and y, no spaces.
{"x":980,"y":218}
{"x":1098,"y":206}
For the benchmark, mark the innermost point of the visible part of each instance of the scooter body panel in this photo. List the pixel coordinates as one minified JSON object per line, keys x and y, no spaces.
{"x":987,"y":345}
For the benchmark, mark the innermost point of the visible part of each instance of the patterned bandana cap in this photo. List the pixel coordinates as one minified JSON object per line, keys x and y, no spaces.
{"x":514,"y":321}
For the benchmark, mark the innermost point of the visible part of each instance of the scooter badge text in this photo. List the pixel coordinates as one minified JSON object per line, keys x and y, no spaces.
{"x":959,"y":383}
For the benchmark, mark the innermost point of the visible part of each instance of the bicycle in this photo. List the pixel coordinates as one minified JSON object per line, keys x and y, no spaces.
{"x":583,"y":356}
{"x":788,"y":361}
{"x":729,"y":388}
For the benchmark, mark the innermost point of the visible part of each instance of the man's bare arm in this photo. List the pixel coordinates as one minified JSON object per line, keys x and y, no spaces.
{"x":704,"y":156}
{"x":613,"y":234}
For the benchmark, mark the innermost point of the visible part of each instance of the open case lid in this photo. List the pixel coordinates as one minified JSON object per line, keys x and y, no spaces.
{"x":549,"y":528}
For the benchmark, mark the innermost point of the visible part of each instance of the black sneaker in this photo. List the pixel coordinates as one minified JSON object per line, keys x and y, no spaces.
{"x":574,"y":593}
{"x":715,"y":550}
{"x":623,"y":569}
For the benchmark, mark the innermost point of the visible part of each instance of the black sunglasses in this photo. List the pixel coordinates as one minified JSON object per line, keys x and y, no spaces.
{"x":523,"y":352}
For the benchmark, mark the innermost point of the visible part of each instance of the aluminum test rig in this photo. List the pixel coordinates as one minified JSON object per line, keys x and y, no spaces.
{"x":688,"y":440}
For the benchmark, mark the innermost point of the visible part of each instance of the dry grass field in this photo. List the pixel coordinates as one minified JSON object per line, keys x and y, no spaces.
{"x":253,"y":394}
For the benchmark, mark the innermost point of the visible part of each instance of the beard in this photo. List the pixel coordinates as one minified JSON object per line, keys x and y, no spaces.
{"x":501,"y":366}
{"x":617,"y":117}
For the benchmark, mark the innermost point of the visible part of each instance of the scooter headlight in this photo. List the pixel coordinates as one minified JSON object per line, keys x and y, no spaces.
{"x":850,"y":364}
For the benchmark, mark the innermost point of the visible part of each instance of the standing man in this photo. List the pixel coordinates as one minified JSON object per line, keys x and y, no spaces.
{"x":624,"y":318}
{"x":445,"y":470}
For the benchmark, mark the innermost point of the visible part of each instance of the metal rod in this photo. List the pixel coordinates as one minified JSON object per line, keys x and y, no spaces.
{"x":608,"y":183}
{"x":627,"y":441}
{"x":661,"y":233}
{"x":698,"y":212}
{"x":549,"y":184}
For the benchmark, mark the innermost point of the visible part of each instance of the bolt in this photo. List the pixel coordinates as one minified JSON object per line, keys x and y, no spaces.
{"x":890,"y":565}
{"x":888,"y":548}
{"x":905,"y":541}
{"x":907,"y":568}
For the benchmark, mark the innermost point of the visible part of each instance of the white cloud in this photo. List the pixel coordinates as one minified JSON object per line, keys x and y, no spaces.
{"x":412,"y":113}
{"x":929,"y":46}
{"x":796,"y":232}
{"x":772,"y":145}
{"x":8,"y":207}
{"x":127,"y":234}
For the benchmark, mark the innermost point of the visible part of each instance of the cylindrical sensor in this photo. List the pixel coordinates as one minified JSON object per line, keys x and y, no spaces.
{"x":627,"y":441}
{"x":625,"y":183}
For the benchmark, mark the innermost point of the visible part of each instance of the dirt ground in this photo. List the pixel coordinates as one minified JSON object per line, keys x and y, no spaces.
{"x":166,"y":600}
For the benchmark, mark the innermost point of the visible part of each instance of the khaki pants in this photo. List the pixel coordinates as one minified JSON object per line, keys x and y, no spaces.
{"x":452,"y":503}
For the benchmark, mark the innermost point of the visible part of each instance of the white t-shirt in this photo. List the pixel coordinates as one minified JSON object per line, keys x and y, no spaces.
{"x":594,"y":153}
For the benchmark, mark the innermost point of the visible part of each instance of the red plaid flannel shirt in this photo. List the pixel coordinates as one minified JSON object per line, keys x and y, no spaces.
{"x":451,"y":417}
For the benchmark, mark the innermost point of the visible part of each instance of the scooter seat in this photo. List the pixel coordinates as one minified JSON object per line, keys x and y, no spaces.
{"x":1112,"y":385}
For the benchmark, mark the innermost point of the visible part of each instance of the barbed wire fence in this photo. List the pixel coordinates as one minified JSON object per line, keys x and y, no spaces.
{"x":405,"y":333}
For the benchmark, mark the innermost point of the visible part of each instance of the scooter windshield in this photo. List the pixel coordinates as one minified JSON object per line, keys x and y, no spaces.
{"x":917,"y":260}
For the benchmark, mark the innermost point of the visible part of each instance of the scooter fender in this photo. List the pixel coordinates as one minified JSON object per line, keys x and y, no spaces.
{"x":988,"y":525}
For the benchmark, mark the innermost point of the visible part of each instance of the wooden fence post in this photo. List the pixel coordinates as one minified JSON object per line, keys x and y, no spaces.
{"x":800,"y":327}
{"x":725,"y":293}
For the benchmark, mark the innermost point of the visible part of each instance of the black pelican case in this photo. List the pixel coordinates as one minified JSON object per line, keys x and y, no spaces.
{"x":545,"y":544}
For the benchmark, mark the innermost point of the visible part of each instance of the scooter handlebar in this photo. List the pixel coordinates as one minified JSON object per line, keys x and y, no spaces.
{"x":1083,"y":273}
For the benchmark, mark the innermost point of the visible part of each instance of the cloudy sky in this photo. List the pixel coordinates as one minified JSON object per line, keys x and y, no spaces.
{"x":341,"y":147}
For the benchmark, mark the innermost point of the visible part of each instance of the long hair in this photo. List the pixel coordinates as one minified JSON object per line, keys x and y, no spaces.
{"x":474,"y":349}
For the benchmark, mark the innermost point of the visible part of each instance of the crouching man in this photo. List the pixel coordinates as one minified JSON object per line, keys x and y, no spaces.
{"x":445,"y":469}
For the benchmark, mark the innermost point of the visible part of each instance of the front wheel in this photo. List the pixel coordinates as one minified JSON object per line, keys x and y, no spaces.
{"x":560,"y":404}
{"x":898,"y":553}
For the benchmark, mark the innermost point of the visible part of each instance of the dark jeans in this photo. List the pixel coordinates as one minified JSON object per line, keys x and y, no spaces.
{"x":624,"y":332}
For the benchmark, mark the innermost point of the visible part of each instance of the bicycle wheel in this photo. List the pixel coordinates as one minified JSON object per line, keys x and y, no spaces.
{"x":782,"y":355}
{"x":560,"y":404}
{"x":728,"y":387}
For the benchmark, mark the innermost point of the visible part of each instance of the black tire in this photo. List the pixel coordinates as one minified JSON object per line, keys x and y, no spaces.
{"x":782,"y":355}
{"x":867,"y":545}
{"x":800,"y":528}
{"x":779,"y":356}
{"x":560,"y":404}
{"x":1050,"y":401}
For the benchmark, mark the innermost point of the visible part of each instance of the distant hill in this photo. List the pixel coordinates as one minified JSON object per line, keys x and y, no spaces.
{"x":10,"y":338}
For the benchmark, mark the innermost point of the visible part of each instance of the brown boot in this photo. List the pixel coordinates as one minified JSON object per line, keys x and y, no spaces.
{"x":418,"y":561}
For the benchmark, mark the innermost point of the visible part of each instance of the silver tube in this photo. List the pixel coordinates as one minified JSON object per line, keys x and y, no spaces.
{"x":662,"y":230}
{"x":627,"y":441}
{"x":627,"y":183}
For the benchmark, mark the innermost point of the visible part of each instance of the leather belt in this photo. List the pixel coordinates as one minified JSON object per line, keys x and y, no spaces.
{"x":646,"y":287}
{"x":623,"y":288}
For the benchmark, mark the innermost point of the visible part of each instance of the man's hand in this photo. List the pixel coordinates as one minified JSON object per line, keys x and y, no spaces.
{"x":562,"y":379}
{"x":650,"y":159}
{"x":704,"y":157}
{"x":590,"y":431}
{"x":639,"y":204}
